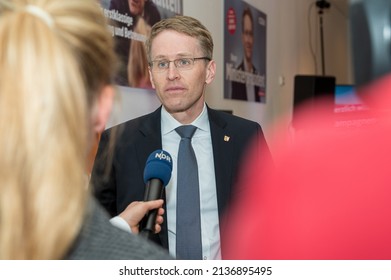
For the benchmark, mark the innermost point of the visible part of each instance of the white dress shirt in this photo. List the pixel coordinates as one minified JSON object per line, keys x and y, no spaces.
{"x":120,"y":223}
{"x":202,"y":145}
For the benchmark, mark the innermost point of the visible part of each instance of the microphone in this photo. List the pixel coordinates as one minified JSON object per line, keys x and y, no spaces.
{"x":157,"y":174}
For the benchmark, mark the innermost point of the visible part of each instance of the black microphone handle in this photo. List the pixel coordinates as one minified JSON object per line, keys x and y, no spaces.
{"x":147,"y":234}
{"x":154,"y":190}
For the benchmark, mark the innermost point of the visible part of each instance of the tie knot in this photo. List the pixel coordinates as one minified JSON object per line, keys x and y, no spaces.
{"x":186,"y":131}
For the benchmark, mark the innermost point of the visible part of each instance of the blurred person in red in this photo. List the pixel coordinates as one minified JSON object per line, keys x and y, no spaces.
{"x":328,"y":197}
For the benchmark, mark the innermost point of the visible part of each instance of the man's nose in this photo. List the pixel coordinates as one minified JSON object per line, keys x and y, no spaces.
{"x":172,"y":71}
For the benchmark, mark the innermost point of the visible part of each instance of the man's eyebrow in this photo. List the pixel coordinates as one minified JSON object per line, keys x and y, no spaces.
{"x":179,"y":55}
{"x":159,"y":57}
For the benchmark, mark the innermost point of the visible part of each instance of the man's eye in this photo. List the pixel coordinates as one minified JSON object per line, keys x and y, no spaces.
{"x":162,"y":64}
{"x":184,"y":62}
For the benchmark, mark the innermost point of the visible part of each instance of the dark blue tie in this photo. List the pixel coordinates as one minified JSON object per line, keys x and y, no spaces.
{"x":188,"y":221}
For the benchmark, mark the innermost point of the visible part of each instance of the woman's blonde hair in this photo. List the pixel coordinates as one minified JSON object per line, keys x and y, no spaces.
{"x":138,"y":74}
{"x":55,"y":57}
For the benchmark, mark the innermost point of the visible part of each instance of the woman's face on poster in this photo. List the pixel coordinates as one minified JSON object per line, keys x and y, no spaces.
{"x":136,"y":6}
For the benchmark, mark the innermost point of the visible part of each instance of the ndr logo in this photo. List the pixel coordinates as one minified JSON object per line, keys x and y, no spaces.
{"x":162,"y":155}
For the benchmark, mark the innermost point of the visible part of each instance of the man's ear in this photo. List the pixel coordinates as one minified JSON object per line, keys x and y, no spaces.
{"x":210,"y":72}
{"x":103,"y":108}
{"x":151,"y":78}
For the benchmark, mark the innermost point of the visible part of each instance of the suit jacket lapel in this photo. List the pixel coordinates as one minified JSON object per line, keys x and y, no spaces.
{"x":150,"y":136}
{"x":223,"y":157}
{"x":151,"y":140}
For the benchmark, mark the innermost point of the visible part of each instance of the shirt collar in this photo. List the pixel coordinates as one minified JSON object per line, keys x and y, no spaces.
{"x":169,"y":123}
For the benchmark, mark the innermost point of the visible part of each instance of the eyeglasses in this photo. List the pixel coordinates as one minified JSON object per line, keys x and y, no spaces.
{"x":184,"y":63}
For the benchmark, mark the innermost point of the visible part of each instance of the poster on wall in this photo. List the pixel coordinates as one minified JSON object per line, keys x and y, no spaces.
{"x":130,"y":22}
{"x":245,"y":52}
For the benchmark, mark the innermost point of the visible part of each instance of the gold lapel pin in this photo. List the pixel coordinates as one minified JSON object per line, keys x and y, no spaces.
{"x":226,"y":138}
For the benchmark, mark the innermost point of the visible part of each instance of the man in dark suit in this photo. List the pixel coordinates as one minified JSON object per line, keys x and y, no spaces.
{"x":246,"y":91}
{"x":239,"y":90}
{"x":180,"y":73}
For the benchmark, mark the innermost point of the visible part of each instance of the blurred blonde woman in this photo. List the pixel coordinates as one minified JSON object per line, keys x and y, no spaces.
{"x":56,"y":68}
{"x":138,"y":75}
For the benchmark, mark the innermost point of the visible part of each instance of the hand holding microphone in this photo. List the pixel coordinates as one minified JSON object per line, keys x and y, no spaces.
{"x":157,"y":174}
{"x":137,"y":210}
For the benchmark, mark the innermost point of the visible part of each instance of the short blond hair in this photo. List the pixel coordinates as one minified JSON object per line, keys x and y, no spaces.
{"x":185,"y":25}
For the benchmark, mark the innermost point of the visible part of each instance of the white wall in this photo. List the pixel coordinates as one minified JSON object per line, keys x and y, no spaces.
{"x":288,"y":54}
